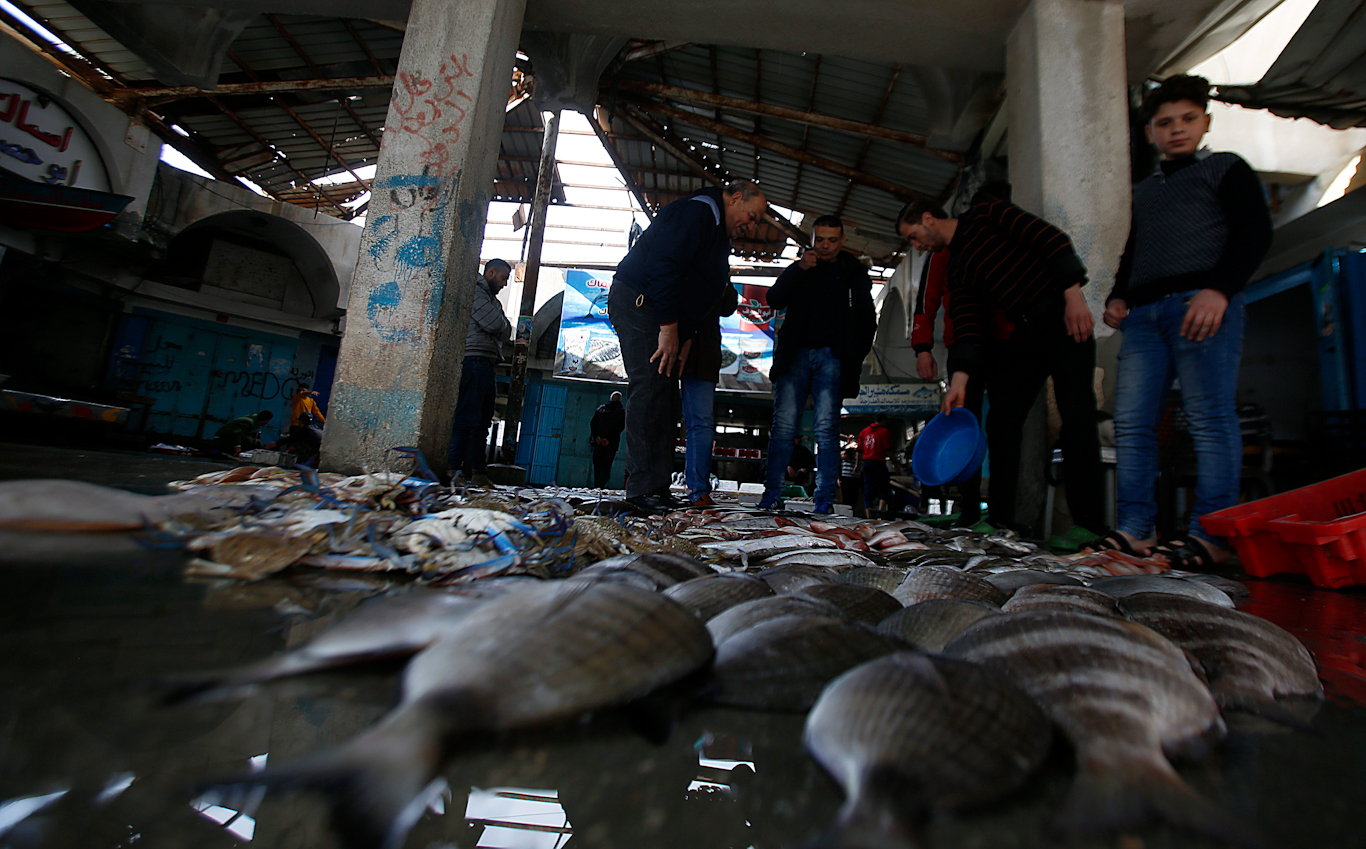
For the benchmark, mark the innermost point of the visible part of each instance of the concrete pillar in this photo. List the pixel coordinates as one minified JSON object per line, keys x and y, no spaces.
{"x":1069,"y":158}
{"x":398,"y":372}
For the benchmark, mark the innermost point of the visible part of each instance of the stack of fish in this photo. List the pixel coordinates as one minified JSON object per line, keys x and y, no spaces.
{"x":935,"y":665}
{"x":929,"y":685}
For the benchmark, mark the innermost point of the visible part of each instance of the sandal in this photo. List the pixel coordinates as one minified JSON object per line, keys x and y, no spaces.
{"x":1187,"y":553}
{"x":1113,"y":541}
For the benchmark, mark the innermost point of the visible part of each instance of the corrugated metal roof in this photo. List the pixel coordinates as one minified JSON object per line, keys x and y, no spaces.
{"x":297,"y":47}
{"x":855,"y":90}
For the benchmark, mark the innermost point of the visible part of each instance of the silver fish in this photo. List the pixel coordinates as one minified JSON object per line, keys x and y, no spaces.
{"x":930,"y":625}
{"x":794,"y":576}
{"x":1012,"y":579}
{"x":885,"y":578}
{"x":909,"y":731}
{"x":743,"y":549}
{"x":1038,"y":597}
{"x":833,"y":558}
{"x":784,"y":663}
{"x":864,"y":604}
{"x":1248,"y":661}
{"x":927,"y":582}
{"x":747,"y":614}
{"x":706,"y":597}
{"x":1120,"y":586}
{"x":540,"y":655}
{"x":1126,"y":697}
{"x":393,"y":626}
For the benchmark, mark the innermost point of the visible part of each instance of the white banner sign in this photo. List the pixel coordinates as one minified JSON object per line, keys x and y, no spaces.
{"x":895,"y":399}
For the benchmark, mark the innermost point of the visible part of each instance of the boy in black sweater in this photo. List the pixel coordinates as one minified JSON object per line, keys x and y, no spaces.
{"x":1200,"y":229}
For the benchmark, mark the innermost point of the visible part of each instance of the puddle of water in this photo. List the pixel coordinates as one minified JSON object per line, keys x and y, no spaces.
{"x":89,"y":759}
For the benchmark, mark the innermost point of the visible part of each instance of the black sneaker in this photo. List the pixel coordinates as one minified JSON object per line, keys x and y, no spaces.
{"x":654,"y":502}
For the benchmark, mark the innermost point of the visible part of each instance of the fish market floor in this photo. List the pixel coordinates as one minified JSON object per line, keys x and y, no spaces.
{"x":92,"y":627}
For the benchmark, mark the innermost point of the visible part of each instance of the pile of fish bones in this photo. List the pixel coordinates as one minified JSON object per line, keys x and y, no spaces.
{"x":934,"y":667}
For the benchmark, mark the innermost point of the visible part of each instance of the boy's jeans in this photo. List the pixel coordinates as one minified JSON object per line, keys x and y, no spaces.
{"x":815,"y":371}
{"x":1153,"y":350}
{"x":699,"y":423}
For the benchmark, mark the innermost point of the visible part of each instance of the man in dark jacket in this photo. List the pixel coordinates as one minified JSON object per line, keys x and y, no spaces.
{"x":818,"y":351}
{"x":666,"y":286}
{"x":478,"y":396}
{"x":605,"y":433}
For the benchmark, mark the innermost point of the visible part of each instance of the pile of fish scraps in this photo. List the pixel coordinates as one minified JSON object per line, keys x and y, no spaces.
{"x":391,"y":522}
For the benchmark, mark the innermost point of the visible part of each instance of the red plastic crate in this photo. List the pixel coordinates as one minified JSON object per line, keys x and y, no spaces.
{"x":1318,"y":530}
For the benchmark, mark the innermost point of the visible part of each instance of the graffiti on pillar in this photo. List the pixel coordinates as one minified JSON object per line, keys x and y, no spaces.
{"x":404,"y":243}
{"x":434,"y":109}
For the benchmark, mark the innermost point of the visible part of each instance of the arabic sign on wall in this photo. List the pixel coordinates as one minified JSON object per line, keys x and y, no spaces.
{"x":895,"y":399}
{"x":42,"y":142}
{"x":588,"y":346}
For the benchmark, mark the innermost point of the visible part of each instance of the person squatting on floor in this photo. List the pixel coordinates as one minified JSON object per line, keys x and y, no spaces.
{"x":604,"y":432}
{"x":1004,"y":258}
{"x":489,"y":327}
{"x":1200,"y":229}
{"x":666,"y":286}
{"x":818,"y":351}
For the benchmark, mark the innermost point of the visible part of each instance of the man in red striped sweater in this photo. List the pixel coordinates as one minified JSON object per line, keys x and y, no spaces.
{"x":1004,"y":258}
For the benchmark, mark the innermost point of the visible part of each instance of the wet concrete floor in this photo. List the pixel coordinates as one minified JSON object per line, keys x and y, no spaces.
{"x":92,"y":628}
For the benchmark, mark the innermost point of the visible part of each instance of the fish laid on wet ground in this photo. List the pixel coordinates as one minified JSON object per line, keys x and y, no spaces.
{"x":923,"y":583}
{"x":863,"y":604}
{"x":390,"y":627}
{"x":911,"y":731}
{"x":1039,"y":597}
{"x":1121,"y":586}
{"x":750,"y":613}
{"x":1011,"y":580}
{"x":1126,"y":698}
{"x":795,"y":576}
{"x":783,"y":664}
{"x":541,"y":654}
{"x":706,"y":597}
{"x":885,"y":578}
{"x":930,"y":625}
{"x":1248,"y":661}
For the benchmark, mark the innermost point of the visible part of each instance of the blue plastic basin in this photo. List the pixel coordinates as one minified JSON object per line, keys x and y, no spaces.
{"x":949,"y":450}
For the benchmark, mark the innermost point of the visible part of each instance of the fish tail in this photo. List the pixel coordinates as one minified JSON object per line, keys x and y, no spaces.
{"x":182,"y":688}
{"x":877,"y":815}
{"x":379,"y":783}
{"x":1109,"y":797}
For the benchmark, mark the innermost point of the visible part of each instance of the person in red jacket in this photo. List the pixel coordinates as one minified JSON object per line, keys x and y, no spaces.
{"x":933,"y":293}
{"x":875,"y":444}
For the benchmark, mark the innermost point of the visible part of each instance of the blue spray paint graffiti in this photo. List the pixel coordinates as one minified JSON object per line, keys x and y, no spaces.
{"x":419,"y":264}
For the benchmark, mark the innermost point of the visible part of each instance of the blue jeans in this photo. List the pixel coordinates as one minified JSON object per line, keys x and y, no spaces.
{"x":699,"y":423}
{"x":1152,"y":352}
{"x":814,"y":372}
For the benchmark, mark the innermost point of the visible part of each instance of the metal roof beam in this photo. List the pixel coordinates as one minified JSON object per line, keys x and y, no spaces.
{"x":345,"y":104}
{"x":259,"y":87}
{"x":867,"y":143}
{"x":662,"y":138}
{"x":816,"y":119}
{"x":611,"y":148}
{"x":726,"y":130}
{"x":251,"y":131}
{"x":298,"y":119}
